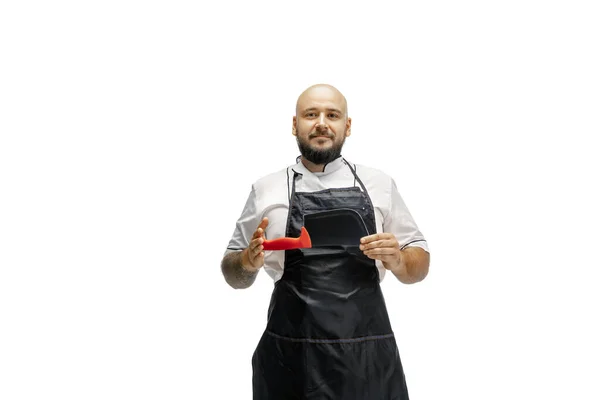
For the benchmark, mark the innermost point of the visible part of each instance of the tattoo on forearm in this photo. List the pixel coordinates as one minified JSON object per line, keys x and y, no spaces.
{"x":234,"y":273}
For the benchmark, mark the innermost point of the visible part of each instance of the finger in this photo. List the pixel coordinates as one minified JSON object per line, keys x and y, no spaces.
{"x":254,"y":257}
{"x":380,"y":243}
{"x":258,"y":233}
{"x":259,"y":257}
{"x":258,"y":252}
{"x":253,"y":243}
{"x":254,"y":248}
{"x":382,"y":251}
{"x":256,"y":245}
{"x":383,"y":257}
{"x":377,"y":236}
{"x":384,"y":254}
{"x":263,"y":224}
{"x":261,"y":228}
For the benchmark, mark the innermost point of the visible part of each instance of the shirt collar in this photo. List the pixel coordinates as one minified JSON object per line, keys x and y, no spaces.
{"x":329,"y":168}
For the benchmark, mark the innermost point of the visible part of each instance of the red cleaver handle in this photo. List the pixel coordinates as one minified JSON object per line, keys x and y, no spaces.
{"x":286,"y":243}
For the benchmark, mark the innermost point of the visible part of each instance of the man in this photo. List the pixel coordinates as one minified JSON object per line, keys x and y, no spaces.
{"x":328,"y":334}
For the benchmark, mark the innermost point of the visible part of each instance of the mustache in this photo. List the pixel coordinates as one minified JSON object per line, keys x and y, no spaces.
{"x":318,"y":134}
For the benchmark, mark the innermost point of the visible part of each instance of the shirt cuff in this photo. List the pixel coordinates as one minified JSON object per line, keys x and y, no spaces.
{"x":420,"y":243}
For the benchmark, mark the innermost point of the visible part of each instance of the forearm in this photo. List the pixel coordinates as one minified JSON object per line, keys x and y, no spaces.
{"x":235,"y":274}
{"x":413,"y":266}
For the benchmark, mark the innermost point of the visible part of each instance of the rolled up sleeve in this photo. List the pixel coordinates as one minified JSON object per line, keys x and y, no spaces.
{"x":400,"y":222}
{"x":245,"y":225}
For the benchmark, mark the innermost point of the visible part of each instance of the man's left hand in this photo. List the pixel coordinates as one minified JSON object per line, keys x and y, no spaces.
{"x":383,"y":247}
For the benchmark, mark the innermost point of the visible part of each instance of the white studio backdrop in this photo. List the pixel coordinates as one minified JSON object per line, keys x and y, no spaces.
{"x":131,"y":132}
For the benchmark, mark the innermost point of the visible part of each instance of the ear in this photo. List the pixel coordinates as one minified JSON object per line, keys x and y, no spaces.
{"x":294,"y":126}
{"x":348,"y":124}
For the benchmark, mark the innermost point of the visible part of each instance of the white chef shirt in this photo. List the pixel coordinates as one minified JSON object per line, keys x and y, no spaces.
{"x":269,"y":197}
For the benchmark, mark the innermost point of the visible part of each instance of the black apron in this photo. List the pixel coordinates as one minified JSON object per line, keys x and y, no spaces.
{"x":328,"y":334}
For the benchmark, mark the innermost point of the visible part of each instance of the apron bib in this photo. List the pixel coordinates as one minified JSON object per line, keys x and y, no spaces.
{"x":328,"y":334}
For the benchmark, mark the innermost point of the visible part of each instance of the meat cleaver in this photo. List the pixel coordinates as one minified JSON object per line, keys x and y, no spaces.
{"x":343,"y":227}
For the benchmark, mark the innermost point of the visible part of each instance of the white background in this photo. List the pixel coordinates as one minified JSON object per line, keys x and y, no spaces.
{"x":132,"y":131}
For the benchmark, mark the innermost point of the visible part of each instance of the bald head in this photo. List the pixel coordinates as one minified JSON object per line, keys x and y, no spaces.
{"x":321,"y":124}
{"x":320,"y":93}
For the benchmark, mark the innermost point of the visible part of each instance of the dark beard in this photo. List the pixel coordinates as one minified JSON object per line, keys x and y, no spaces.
{"x":319,"y":157}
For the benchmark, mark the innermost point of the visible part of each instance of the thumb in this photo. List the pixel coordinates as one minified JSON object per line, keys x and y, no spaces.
{"x":264,"y":223}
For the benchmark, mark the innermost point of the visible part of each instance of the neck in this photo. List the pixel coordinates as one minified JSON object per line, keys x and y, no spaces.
{"x":312,"y":167}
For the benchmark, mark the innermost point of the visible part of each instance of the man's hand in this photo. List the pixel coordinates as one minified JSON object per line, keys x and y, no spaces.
{"x":240,"y":268}
{"x":383,"y":247}
{"x":410,"y":265}
{"x":253,"y":256}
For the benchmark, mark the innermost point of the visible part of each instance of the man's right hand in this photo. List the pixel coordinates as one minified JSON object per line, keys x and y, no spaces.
{"x":253,"y":257}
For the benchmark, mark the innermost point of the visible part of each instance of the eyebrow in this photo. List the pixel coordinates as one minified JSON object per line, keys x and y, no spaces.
{"x":328,"y":109}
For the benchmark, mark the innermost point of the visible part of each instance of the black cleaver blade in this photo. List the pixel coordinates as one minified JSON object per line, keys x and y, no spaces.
{"x":342,"y":227}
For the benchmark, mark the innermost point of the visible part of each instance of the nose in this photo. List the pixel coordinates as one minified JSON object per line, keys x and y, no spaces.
{"x":321,"y":125}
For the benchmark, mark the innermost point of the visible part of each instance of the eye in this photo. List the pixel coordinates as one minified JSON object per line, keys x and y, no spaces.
{"x":310,"y":115}
{"x":333,"y":116}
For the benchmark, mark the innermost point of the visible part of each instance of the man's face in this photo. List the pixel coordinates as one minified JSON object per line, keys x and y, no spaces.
{"x":321,"y":124}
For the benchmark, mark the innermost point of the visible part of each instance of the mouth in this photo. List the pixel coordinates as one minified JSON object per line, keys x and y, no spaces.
{"x":321,"y":137}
